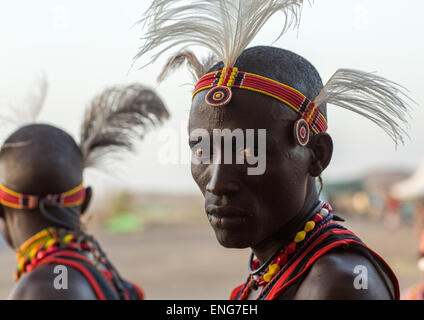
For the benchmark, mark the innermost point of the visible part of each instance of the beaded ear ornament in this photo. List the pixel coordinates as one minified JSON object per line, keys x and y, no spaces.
{"x":301,"y":132}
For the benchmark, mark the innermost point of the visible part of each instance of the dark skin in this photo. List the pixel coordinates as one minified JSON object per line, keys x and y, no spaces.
{"x":263,"y":212}
{"x":41,"y":159}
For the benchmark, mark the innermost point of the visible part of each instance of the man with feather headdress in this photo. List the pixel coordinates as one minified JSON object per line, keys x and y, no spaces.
{"x":299,"y":250}
{"x":42,"y":197}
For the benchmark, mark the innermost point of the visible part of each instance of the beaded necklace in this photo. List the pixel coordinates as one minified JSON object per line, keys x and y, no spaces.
{"x":52,"y":240}
{"x":263,"y":275}
{"x":48,"y":241}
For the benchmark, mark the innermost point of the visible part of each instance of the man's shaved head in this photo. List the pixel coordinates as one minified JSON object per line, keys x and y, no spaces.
{"x":40,"y":159}
{"x":283,"y":66}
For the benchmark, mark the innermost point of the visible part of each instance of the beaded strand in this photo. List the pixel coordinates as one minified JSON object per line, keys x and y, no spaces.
{"x":44,"y":244}
{"x":285,"y":254}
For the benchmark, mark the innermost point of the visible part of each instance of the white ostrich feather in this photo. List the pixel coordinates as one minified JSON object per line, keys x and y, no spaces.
{"x":196,"y":67}
{"x":27,"y":110}
{"x":225,"y":27}
{"x":20,"y":112}
{"x":382,"y":101}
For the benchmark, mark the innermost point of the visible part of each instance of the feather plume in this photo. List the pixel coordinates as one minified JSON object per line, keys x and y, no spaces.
{"x":225,"y":27}
{"x":382,"y":101}
{"x":27,"y":110}
{"x":116,"y":118}
{"x":196,"y":67}
{"x":34,"y":101}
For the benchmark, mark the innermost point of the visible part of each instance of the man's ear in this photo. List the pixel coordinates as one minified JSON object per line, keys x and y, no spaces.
{"x":321,"y":146}
{"x":87,"y":199}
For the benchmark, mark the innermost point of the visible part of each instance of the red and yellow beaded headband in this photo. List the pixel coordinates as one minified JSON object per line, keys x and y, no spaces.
{"x":16,"y":200}
{"x":220,"y":83}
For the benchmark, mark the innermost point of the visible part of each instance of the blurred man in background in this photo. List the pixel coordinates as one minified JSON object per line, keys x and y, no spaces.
{"x":42,"y":197}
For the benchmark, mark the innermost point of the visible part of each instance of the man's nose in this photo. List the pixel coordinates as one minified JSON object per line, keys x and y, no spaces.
{"x":222,"y":180}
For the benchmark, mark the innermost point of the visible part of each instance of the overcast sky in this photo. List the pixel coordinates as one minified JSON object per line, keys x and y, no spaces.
{"x":84,"y":46}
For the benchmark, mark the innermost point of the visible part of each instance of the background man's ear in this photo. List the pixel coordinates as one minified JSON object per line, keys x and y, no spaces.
{"x":87,"y":199}
{"x":321,"y":146}
{"x":3,"y":227}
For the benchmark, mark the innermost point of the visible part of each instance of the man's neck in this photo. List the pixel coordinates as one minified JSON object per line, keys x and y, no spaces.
{"x":25,"y":225}
{"x":266,"y":249}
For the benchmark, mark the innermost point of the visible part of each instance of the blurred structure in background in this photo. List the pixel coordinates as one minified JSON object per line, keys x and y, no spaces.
{"x":372,"y":196}
{"x":411,"y":190}
{"x":393,"y":197}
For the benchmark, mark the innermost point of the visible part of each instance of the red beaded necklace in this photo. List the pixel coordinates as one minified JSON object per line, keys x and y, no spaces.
{"x":284,"y":255}
{"x":45,"y":243}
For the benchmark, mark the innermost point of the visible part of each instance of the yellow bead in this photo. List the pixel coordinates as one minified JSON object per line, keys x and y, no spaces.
{"x":50,"y":243}
{"x":33,"y":252}
{"x":267,"y":277}
{"x":300,"y":236}
{"x":67,"y":238}
{"x":274,"y":269}
{"x":21,"y":264}
{"x":309,"y":226}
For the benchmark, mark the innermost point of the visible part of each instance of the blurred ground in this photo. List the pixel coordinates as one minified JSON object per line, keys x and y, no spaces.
{"x":176,"y":255}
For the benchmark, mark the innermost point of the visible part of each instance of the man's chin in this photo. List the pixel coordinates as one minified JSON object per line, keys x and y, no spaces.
{"x":229,"y":240}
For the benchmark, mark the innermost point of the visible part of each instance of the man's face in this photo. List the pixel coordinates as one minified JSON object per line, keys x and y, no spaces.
{"x":245,"y":210}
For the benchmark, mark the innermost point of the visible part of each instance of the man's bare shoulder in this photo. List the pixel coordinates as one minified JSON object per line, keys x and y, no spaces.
{"x":43,"y":284}
{"x":342,"y":275}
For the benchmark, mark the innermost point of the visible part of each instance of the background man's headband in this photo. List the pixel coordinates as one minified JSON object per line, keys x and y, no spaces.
{"x":16,"y":200}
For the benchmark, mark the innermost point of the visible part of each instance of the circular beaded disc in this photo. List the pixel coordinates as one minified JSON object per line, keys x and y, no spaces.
{"x":218,"y":96}
{"x":301,"y":132}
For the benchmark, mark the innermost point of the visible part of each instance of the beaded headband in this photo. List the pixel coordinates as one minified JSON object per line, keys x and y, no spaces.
{"x":16,"y":200}
{"x":220,"y":93}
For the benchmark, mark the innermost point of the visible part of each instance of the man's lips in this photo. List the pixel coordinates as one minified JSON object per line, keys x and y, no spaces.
{"x":227,"y":217}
